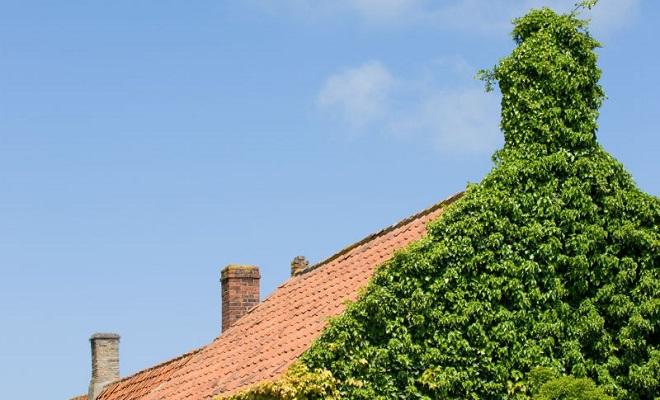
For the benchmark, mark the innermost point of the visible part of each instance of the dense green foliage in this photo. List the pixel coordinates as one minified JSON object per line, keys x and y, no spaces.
{"x":551,"y":260}
{"x":569,"y":388}
{"x":299,"y":383}
{"x":546,"y":385}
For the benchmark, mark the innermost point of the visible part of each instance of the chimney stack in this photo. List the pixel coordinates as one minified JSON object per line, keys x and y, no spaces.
{"x":105,"y":362}
{"x":298,"y":265}
{"x":240,"y":292}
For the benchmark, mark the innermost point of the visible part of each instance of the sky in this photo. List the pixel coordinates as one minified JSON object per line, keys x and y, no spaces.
{"x":146,"y":144}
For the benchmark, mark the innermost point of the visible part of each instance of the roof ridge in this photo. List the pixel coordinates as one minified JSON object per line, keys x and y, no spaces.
{"x":384,"y":231}
{"x":347,"y":249}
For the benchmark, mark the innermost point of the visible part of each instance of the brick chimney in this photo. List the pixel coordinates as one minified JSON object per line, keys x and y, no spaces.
{"x":240,"y":292}
{"x":298,"y":265}
{"x":105,"y":362}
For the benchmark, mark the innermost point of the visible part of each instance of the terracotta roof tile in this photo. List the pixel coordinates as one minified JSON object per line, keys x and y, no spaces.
{"x":140,"y":384}
{"x":270,"y":337}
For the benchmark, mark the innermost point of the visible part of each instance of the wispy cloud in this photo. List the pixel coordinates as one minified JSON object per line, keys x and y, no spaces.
{"x":458,"y":118}
{"x":477,"y":16}
{"x":454,"y":121}
{"x":360,"y":95}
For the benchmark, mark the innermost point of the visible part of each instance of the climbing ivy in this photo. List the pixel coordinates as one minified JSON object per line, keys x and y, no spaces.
{"x":546,"y":385}
{"x":299,"y":383}
{"x":550,"y":261}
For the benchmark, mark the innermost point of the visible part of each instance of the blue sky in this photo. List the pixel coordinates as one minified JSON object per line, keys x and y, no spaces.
{"x":145,"y":144}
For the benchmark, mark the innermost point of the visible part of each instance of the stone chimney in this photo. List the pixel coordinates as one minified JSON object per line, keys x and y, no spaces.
{"x":240,"y":292}
{"x":298,"y":265}
{"x":105,"y":362}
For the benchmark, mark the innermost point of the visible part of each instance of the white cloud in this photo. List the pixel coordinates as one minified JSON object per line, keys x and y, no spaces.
{"x":360,"y":95}
{"x":458,"y":121}
{"x":456,"y":118}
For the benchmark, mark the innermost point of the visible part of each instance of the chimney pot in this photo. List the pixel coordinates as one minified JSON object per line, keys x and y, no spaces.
{"x":240,"y":292}
{"x":105,"y":362}
{"x":298,"y":265}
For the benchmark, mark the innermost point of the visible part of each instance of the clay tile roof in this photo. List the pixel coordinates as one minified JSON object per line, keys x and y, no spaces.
{"x":81,"y":397}
{"x":268,"y":339}
{"x":142,"y":383}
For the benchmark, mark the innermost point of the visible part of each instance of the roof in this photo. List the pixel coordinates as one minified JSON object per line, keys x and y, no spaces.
{"x":144,"y":382}
{"x":262,"y":344}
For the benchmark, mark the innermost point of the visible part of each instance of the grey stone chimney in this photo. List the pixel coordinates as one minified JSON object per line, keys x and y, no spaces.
{"x":105,"y":362}
{"x":298,"y":265}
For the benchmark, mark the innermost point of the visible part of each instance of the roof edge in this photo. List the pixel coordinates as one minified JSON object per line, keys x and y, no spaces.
{"x":131,"y":376}
{"x":447,"y":201}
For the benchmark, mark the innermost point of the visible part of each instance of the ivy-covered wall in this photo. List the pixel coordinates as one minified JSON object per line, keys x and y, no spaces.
{"x":551,"y":261}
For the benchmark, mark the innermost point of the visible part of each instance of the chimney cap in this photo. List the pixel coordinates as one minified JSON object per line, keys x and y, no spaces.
{"x":104,"y":336}
{"x":239,"y":271}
